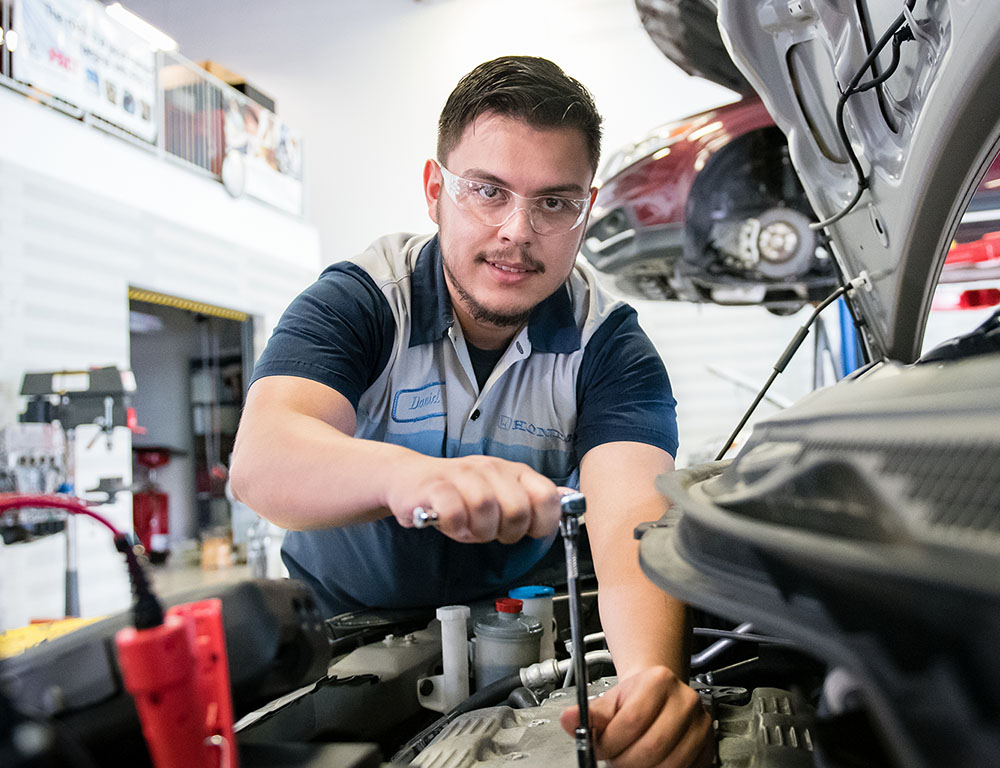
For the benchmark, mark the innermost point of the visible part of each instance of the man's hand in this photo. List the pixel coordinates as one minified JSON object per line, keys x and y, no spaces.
{"x":649,"y":719}
{"x":477,"y":498}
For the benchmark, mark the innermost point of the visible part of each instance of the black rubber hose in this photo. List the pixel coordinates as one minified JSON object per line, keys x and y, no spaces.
{"x":522,"y":698}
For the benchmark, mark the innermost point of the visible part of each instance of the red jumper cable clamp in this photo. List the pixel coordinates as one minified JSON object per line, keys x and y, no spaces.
{"x":178,"y":674}
{"x":174,"y":665}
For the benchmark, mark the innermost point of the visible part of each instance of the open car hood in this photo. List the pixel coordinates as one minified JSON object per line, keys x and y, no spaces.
{"x":922,"y":139}
{"x":686,"y":32}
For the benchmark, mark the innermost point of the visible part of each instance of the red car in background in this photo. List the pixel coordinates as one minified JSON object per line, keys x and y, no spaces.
{"x":975,"y":253}
{"x":710,"y":209}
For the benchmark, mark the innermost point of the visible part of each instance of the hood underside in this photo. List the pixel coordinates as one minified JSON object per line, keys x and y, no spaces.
{"x":862,"y":524}
{"x":687,"y":32}
{"x":922,"y":137}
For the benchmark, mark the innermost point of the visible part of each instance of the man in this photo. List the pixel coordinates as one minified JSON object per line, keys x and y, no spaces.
{"x":473,"y":373}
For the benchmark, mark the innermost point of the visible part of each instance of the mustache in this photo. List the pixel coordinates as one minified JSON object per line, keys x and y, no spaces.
{"x":514,"y":255}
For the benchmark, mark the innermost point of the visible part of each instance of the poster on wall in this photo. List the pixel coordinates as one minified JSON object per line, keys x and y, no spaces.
{"x":73,"y":50}
{"x":269,"y":151}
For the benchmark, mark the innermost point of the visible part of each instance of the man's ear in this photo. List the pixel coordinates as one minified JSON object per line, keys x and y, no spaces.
{"x":432,"y":188}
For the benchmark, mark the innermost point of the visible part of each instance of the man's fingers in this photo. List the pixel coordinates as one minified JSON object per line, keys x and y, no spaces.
{"x":649,"y":721}
{"x":449,"y":506}
{"x":677,"y":738}
{"x":545,"y":509}
{"x":479,"y":499}
{"x":630,"y":711}
{"x":599,"y":717}
{"x":482,"y":505}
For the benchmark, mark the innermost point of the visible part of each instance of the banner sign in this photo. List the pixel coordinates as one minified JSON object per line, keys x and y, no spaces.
{"x":270,"y":152}
{"x":73,"y":50}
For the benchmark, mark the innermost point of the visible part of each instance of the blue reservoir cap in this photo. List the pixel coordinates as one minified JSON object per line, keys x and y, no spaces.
{"x":530,"y":593}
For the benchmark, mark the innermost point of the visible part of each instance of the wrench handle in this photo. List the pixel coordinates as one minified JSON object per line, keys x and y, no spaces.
{"x":573,"y":506}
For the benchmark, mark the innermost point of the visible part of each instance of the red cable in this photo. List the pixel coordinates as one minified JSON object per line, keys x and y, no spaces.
{"x":68,"y":503}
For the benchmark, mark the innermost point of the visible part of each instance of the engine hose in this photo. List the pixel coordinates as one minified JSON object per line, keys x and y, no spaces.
{"x":489,"y":696}
{"x":523,"y":698}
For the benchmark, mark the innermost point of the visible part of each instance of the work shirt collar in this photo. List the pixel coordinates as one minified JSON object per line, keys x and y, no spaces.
{"x":551,"y":327}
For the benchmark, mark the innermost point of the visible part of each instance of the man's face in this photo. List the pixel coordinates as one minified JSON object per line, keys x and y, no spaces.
{"x":497,"y":275}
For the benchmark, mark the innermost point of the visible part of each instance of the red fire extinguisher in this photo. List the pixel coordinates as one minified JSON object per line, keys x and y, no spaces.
{"x":150,"y":507}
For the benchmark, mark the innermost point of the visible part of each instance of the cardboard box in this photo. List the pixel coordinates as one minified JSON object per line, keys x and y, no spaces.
{"x":238,"y":82}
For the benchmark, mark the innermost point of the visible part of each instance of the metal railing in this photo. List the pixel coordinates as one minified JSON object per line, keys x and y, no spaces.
{"x":191,"y":109}
{"x":199,"y":117}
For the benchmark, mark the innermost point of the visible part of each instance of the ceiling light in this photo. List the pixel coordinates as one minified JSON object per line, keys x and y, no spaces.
{"x":12,"y":40}
{"x":159,"y":40}
{"x":143,"y":322}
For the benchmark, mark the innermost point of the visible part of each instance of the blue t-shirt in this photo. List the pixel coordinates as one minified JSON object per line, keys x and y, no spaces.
{"x":380,"y":330}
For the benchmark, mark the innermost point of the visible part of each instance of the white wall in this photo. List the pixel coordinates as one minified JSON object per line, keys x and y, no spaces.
{"x":83,"y":216}
{"x":365,"y":82}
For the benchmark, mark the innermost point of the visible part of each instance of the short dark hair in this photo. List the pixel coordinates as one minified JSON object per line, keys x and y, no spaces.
{"x":528,"y":88}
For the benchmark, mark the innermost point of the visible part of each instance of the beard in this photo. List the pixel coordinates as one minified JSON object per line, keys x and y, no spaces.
{"x":481,"y":313}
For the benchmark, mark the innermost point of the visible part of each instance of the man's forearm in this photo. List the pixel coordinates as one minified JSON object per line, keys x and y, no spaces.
{"x":644,"y":627}
{"x":296,"y":463}
{"x":301,"y":473}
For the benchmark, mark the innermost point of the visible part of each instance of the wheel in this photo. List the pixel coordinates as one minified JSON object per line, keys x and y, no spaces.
{"x":783,"y":245}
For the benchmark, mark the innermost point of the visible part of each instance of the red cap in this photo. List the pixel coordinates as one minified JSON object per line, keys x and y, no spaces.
{"x":509,"y":605}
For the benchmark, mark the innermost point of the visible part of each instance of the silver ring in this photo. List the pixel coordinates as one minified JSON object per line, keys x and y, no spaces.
{"x":424,"y":518}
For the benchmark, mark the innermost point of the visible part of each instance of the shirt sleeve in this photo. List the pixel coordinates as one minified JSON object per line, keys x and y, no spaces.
{"x":623,"y":391}
{"x":338,"y":332}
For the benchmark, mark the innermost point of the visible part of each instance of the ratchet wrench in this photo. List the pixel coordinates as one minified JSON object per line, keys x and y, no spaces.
{"x":573,"y":507}
{"x":425,"y":518}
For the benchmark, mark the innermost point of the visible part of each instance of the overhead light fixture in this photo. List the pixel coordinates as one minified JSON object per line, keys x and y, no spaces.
{"x":159,"y":40}
{"x":143,"y":322}
{"x":12,"y":39}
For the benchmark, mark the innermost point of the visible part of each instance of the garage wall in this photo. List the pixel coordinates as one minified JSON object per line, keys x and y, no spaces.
{"x":364,"y":82}
{"x":83,"y":216}
{"x":744,"y":342}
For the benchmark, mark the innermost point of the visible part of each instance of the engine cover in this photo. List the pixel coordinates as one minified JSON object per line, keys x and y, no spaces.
{"x":771,"y":730}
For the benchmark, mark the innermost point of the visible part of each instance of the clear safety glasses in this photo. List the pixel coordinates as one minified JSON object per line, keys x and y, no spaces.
{"x":494,"y":205}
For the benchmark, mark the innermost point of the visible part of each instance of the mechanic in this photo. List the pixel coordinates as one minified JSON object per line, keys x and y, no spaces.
{"x":474,"y":372}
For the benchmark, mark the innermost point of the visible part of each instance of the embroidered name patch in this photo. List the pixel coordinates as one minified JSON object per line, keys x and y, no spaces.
{"x":426,"y":402}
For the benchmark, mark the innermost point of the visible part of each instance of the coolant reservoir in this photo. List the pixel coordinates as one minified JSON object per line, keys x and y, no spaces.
{"x":505,"y":641}
{"x":538,"y":603}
